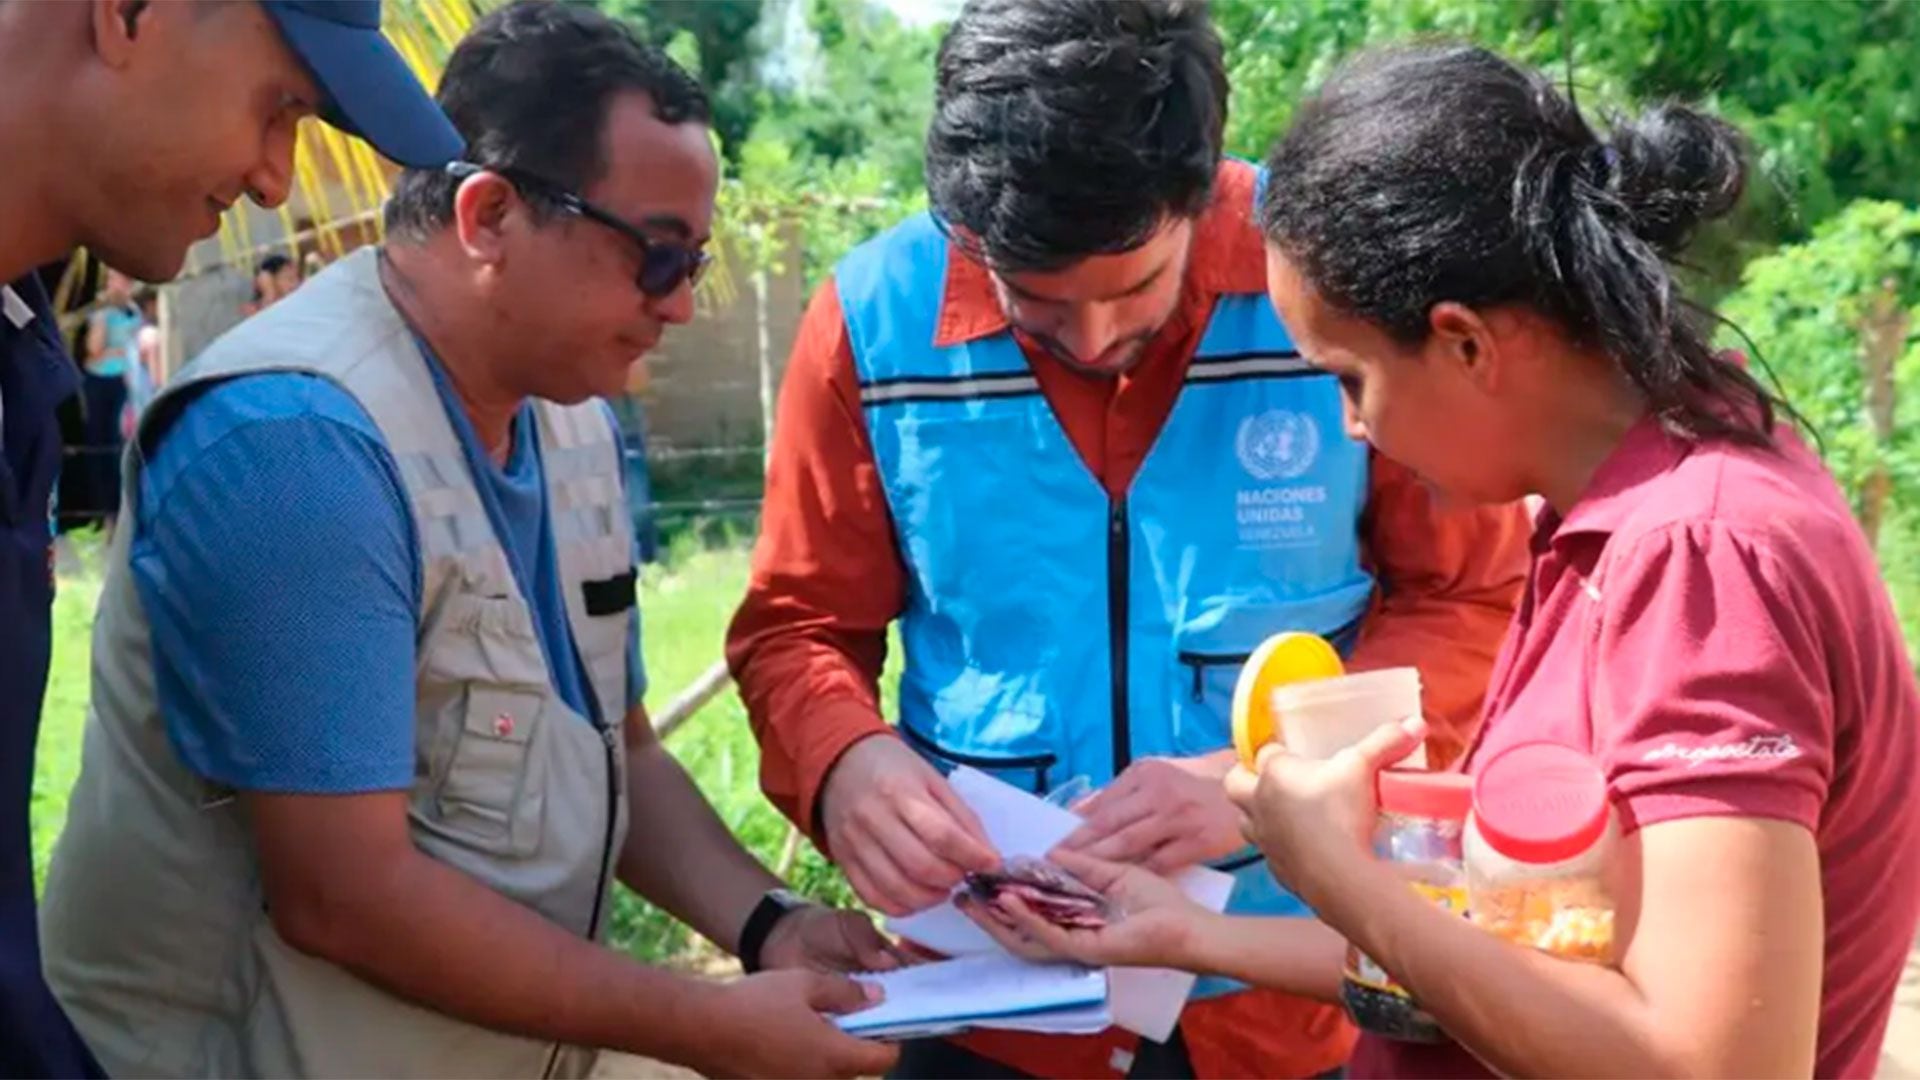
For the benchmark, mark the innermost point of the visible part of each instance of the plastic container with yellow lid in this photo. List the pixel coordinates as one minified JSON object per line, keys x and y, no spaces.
{"x":1281,"y":660}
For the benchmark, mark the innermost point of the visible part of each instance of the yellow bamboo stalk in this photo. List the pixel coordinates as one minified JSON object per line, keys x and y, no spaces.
{"x":70,"y":279}
{"x":319,"y":206}
{"x":242,"y":229}
{"x":435,"y":20}
{"x":416,"y":54}
{"x":289,"y":229}
{"x":337,"y":165}
{"x":366,"y":170}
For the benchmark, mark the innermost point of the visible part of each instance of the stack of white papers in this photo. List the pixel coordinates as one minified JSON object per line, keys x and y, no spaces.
{"x":1145,"y":1001}
{"x":986,"y":990}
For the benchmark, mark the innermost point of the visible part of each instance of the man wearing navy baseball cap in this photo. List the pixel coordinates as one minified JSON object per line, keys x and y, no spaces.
{"x":127,"y":127}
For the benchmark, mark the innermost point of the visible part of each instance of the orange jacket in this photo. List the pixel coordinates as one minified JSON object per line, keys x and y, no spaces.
{"x":809,"y":641}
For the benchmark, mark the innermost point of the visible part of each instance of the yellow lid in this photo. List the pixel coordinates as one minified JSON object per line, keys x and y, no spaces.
{"x":1281,"y":659}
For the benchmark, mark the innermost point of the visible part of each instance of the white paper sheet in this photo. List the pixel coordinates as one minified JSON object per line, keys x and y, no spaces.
{"x":1145,"y":1001}
{"x":978,"y":990}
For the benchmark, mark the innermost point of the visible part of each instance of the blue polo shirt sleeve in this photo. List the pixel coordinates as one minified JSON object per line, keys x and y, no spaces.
{"x":274,"y":557}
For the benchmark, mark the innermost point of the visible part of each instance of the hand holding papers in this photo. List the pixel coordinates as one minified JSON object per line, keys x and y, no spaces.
{"x":985,"y":990}
{"x":1146,"y":1001}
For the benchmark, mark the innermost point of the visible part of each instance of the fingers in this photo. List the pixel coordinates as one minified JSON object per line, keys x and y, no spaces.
{"x":906,"y":856}
{"x":911,"y":952}
{"x":1265,"y":757}
{"x":879,"y":880}
{"x":1138,"y":840}
{"x":841,"y":1054}
{"x":1052,"y":941}
{"x":944,"y":836}
{"x":869,"y":948}
{"x":920,"y":879}
{"x":1001,"y":929}
{"x":1100,"y":875}
{"x":1389,"y":743}
{"x":1109,"y":813}
{"x":976,"y":852}
{"x":863,"y":1057}
{"x":837,"y":994}
{"x":1175,"y":855}
{"x":1242,"y":782}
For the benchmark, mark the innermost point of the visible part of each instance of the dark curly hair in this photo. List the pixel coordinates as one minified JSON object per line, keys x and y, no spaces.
{"x":1069,"y":128}
{"x":529,"y":88}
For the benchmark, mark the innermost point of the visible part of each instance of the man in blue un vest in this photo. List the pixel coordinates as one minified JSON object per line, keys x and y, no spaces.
{"x":1055,"y":431}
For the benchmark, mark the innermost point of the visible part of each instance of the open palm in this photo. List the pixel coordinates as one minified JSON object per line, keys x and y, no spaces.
{"x":1152,"y":920}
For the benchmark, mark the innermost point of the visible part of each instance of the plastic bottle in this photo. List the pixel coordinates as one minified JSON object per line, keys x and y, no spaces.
{"x":1537,"y":848}
{"x":1422,"y":819}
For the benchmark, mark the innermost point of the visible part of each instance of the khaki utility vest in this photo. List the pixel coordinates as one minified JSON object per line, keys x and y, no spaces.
{"x":156,"y":932}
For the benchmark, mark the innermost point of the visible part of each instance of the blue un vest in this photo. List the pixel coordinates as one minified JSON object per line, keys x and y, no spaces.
{"x":1050,"y":631}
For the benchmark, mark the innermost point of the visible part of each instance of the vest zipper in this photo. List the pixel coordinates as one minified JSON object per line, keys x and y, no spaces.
{"x":601,"y":884}
{"x":611,"y":745}
{"x":1118,"y":566}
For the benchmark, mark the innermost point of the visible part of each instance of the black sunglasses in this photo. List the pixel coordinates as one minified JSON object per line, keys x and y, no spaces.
{"x":663,"y":265}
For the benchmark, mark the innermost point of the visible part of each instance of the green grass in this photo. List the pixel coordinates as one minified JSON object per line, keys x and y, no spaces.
{"x":57,"y":759}
{"x":737,"y":478}
{"x":686,"y":605}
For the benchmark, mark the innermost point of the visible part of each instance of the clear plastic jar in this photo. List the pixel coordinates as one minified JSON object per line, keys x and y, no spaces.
{"x":1422,"y":819}
{"x":1537,"y":849}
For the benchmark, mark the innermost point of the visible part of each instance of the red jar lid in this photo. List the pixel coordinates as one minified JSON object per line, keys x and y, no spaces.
{"x":1540,"y":802}
{"x":1443,"y":796}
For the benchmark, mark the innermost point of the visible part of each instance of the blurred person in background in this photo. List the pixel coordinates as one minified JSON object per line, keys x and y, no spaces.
{"x":274,"y":279}
{"x":112,"y":352}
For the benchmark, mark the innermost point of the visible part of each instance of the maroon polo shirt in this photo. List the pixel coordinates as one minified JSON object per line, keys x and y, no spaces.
{"x":1709,"y":622}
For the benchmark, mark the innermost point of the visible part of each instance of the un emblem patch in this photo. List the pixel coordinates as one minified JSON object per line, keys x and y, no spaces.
{"x":1277,"y":445}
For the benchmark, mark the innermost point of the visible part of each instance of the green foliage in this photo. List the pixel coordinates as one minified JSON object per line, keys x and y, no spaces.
{"x":724,"y":49}
{"x":1807,"y":306}
{"x":777,"y":197}
{"x":1830,"y":92}
{"x":870,"y":99}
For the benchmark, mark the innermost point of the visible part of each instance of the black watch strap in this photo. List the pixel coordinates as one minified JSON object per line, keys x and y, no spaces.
{"x":773,"y":907}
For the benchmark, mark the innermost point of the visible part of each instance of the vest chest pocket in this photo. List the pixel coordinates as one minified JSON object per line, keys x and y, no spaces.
{"x":489,"y":796}
{"x":483,"y":744}
{"x":1203,"y":685}
{"x":1208,"y":657}
{"x":1028,"y":772}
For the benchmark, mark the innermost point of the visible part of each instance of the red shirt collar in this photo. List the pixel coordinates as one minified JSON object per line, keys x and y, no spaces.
{"x":1647,"y":452}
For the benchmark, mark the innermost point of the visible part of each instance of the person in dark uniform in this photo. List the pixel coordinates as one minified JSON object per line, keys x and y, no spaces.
{"x":128,"y":128}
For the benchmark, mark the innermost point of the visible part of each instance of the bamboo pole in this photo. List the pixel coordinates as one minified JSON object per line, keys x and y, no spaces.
{"x":681,"y":709}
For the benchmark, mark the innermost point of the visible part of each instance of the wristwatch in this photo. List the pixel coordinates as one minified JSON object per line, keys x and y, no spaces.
{"x":776,"y":905}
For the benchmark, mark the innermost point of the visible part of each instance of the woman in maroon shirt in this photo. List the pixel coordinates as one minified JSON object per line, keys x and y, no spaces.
{"x":1489,"y":278}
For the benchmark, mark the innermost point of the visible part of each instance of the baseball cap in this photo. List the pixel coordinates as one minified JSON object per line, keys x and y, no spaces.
{"x":368,"y":89}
